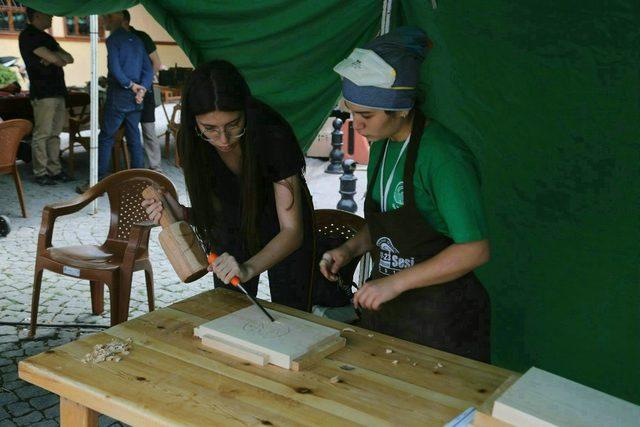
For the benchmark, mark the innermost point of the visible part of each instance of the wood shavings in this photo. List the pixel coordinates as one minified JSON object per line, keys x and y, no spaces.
{"x":348,"y":330}
{"x":335,"y":380}
{"x":395,"y":362}
{"x":110,"y":352}
{"x":414,"y":364}
{"x":370,"y":335}
{"x":388,"y":351}
{"x":438,"y":366}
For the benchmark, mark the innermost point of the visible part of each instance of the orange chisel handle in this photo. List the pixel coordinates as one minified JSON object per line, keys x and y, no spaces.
{"x":235,"y":281}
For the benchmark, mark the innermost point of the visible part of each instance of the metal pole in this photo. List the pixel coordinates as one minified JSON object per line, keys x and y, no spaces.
{"x":93,"y":144}
{"x":385,"y":20}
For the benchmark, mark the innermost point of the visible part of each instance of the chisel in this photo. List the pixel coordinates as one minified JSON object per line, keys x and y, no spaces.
{"x":235,"y":281}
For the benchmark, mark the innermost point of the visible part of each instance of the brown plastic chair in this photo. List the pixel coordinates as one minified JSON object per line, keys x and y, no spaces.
{"x":343,"y":225}
{"x":11,"y":133}
{"x":172,"y":130}
{"x":79,"y":117}
{"x":113,"y":262}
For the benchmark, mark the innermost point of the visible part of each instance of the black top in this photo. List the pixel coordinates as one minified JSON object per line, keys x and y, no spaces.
{"x":279,"y":157}
{"x":47,"y":81}
{"x":149,"y":45}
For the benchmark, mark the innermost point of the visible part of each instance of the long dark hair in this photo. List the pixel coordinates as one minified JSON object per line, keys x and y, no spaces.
{"x":219,"y":86}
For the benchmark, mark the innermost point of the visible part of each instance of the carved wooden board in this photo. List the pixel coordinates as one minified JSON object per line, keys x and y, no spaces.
{"x":248,"y":334}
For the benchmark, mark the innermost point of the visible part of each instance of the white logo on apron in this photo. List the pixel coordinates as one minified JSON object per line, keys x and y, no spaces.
{"x":390,"y":261}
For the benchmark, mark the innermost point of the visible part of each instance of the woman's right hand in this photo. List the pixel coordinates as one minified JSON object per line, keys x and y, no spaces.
{"x":332,"y":261}
{"x":154,"y":207}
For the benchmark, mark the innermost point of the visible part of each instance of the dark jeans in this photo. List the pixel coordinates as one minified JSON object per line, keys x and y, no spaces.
{"x":120,"y":107}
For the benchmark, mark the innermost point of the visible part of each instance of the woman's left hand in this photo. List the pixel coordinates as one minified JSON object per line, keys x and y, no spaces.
{"x":226,"y":266}
{"x":373,"y":294}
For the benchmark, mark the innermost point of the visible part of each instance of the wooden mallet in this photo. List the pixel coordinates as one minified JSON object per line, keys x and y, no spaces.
{"x":179,"y":242}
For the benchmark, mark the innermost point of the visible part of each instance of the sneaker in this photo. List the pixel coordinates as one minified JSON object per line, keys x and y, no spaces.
{"x":62,"y":177}
{"x":45,"y":180}
{"x":81,"y":189}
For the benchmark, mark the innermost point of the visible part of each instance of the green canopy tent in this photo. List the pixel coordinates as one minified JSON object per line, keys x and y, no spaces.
{"x":546,"y":95}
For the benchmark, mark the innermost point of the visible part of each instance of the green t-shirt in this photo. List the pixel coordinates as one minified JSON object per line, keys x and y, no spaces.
{"x":446,"y":182}
{"x":149,"y":45}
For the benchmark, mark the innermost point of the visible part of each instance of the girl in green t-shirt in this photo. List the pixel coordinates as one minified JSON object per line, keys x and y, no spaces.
{"x":425,"y":225}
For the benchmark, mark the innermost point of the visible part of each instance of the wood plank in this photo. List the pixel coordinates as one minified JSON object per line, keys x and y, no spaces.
{"x":169,"y":378}
{"x":179,"y":393}
{"x":73,"y":414}
{"x":361,"y":389}
{"x":236,"y":350}
{"x":540,"y":398}
{"x":315,"y":390}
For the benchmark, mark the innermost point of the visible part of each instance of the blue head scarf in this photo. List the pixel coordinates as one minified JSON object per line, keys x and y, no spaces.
{"x":384,"y":74}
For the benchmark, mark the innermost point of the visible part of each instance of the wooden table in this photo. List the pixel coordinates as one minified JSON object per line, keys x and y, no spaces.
{"x":170,"y":379}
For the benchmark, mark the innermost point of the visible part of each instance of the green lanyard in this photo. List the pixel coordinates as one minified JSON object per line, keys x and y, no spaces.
{"x":384,"y":189}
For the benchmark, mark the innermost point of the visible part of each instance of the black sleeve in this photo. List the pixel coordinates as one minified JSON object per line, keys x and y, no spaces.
{"x":36,"y":40}
{"x":29,"y":42}
{"x":281,"y":155}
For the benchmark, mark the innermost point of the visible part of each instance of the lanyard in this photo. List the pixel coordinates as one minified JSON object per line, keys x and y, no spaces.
{"x":384,"y":189}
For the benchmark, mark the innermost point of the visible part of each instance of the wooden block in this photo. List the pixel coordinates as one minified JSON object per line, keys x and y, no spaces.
{"x":284,"y":341}
{"x":540,"y":398}
{"x":317,"y":354}
{"x":179,"y":242}
{"x":484,"y":420}
{"x":183,"y":251}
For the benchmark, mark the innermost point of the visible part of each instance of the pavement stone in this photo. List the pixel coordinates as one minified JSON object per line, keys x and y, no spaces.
{"x":65,"y":300}
{"x":29,"y":419}
{"x":46,"y":401}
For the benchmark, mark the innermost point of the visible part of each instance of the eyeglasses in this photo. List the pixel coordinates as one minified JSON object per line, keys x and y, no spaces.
{"x":232,"y":132}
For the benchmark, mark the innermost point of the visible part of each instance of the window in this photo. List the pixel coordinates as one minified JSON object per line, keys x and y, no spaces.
{"x":13,"y":16}
{"x":78,"y":26}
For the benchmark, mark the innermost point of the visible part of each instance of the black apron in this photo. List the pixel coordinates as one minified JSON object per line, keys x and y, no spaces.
{"x":453,"y":316}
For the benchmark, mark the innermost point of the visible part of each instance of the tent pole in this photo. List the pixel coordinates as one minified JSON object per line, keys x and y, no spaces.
{"x":385,"y":20}
{"x":93,"y":144}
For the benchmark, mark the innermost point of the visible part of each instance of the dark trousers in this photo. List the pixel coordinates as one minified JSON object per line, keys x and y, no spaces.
{"x":120,"y":107}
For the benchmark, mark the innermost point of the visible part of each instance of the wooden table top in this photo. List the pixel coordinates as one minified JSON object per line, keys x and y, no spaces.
{"x":169,"y":378}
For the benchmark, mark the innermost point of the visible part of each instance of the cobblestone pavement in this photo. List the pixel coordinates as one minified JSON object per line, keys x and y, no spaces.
{"x":66,"y":301}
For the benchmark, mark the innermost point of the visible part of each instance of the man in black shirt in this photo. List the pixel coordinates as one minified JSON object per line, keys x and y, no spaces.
{"x":148,"y":118}
{"x":44,"y":59}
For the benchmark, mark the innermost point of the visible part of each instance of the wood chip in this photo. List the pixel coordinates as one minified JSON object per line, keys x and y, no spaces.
{"x":414,"y":364}
{"x":347,"y":368}
{"x":110,"y":352}
{"x":438,"y":366}
{"x":348,"y":330}
{"x":388,"y":351}
{"x":370,"y":335}
{"x":335,"y":380}
{"x":395,"y":362}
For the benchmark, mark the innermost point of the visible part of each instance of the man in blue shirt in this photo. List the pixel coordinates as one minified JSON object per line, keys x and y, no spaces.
{"x":130,"y":76}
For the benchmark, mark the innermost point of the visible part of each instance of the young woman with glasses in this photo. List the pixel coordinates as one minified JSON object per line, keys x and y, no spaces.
{"x":243,"y":170}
